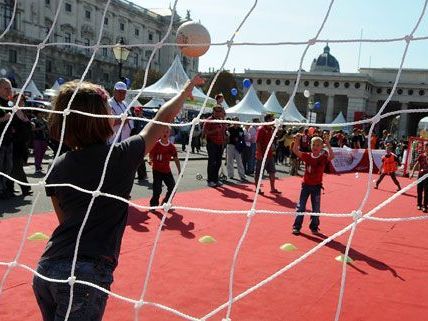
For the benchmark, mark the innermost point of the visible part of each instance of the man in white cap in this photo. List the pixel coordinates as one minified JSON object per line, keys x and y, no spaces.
{"x":119,"y":106}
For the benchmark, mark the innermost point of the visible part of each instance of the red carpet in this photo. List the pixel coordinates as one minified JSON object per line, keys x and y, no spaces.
{"x":388,"y":279}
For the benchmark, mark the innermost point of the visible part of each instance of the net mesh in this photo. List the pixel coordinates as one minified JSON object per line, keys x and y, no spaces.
{"x":356,"y":216}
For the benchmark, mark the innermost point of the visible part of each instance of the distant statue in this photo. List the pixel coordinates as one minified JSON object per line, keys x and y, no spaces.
{"x":188,"y":15}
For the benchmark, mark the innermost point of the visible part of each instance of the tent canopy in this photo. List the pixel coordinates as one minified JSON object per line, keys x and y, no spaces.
{"x":154,"y":103}
{"x":272,"y":105}
{"x":248,"y":108}
{"x":340,"y":119}
{"x":32,"y":88}
{"x":171,"y":83}
{"x":291,"y":113}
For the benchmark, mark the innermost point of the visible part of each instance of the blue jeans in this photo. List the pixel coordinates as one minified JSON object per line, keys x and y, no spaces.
{"x":88,"y":302}
{"x":314,"y":191}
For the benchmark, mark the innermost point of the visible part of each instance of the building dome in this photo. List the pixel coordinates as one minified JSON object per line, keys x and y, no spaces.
{"x":325,"y":62}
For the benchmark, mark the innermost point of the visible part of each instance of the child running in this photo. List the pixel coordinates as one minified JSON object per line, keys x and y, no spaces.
{"x":315,"y":163}
{"x":99,"y":248}
{"x":390,"y":163}
{"x":160,"y":156}
{"x":422,"y":188}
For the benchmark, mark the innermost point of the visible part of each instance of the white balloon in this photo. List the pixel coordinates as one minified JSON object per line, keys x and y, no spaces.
{"x":3,"y":72}
{"x":306,"y":93}
{"x":10,"y":103}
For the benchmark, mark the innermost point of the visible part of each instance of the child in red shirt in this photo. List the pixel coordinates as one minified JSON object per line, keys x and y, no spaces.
{"x":160,"y":156}
{"x":315,"y":163}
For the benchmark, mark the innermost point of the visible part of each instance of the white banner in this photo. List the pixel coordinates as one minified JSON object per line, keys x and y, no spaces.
{"x":346,"y":159}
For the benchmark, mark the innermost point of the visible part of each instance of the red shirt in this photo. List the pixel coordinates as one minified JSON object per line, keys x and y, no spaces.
{"x":314,"y":167}
{"x":218,"y":136}
{"x":161,"y":155}
{"x":423,"y":164}
{"x":263,"y":136}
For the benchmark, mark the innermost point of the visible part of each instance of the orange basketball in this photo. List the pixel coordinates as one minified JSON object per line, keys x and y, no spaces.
{"x":193,"y":33}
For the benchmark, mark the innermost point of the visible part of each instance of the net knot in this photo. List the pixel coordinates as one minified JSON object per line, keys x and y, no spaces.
{"x":312,"y":41}
{"x":278,"y":122}
{"x":195,"y":121}
{"x":357,"y":214}
{"x":96,"y":47}
{"x":251,"y":213}
{"x":96,"y":194}
{"x":66,"y":112}
{"x":14,"y":109}
{"x":158,"y":45}
{"x":166,"y":207}
{"x":39,"y":186}
{"x":229,"y":43}
{"x":376,"y":118}
{"x":71,"y":280}
{"x":138,"y":305}
{"x":123,"y":116}
{"x":408,"y":38}
{"x":13,"y":264}
{"x":41,"y":46}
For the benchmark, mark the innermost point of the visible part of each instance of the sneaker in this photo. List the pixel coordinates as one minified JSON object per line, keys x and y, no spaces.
{"x":219,"y":184}
{"x":295,"y":231}
{"x":244,"y":180}
{"x":376,"y":187}
{"x":212,"y":184}
{"x":275,"y":191}
{"x":419,"y":207}
{"x":315,"y":230}
{"x":425,"y":210}
{"x":398,"y":189}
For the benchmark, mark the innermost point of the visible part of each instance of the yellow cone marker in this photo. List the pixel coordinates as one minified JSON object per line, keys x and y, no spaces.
{"x":207,"y":239}
{"x":288,"y":247}
{"x":38,"y":236}
{"x":342,"y":258}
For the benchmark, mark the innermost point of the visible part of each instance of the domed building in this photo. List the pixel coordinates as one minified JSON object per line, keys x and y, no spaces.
{"x":325,"y":62}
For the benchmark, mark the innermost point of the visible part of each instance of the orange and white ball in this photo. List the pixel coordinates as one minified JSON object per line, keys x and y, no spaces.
{"x":193,"y":33}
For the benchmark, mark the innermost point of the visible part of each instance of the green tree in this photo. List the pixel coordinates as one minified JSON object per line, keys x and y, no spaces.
{"x":138,"y":79}
{"x":224,"y":84}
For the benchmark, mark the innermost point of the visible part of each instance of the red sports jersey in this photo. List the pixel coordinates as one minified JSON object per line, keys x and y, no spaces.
{"x":263,"y":136}
{"x":161,"y":155}
{"x":314,"y":167}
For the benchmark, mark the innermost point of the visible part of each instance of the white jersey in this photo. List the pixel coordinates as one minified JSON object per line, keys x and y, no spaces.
{"x":118,"y":109}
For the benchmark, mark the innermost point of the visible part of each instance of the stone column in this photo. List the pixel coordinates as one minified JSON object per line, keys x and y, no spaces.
{"x":404,"y":119}
{"x":330,"y":109}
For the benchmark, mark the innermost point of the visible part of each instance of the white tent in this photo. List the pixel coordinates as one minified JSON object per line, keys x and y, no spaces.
{"x":272,"y":105}
{"x":53,"y":91}
{"x":154,"y":103}
{"x":248,"y":108}
{"x":292,"y":114}
{"x":340,"y":119}
{"x":32,"y":88}
{"x":171,"y":83}
{"x":224,"y":104}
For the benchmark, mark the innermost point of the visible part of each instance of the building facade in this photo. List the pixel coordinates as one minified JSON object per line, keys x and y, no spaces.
{"x":356,"y":95}
{"x":79,"y":22}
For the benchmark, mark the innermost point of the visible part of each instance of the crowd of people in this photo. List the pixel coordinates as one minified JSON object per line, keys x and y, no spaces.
{"x":88,"y":141}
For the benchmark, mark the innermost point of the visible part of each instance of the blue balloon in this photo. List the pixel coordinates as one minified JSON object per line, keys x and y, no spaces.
{"x":128,"y":82}
{"x":317,"y":105}
{"x":247,"y":83}
{"x":60,"y":80}
{"x":234,"y":91}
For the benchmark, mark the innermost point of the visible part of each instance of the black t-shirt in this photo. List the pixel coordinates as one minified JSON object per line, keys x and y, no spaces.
{"x":236,"y":135}
{"x":106,"y":223}
{"x":9,"y":133}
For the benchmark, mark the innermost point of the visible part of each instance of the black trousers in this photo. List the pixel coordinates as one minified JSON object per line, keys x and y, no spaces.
{"x":142,"y":171}
{"x":422,"y":189}
{"x":215,"y":153}
{"x":158,"y":178}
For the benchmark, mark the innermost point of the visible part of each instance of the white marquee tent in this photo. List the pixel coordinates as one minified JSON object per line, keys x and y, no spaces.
{"x":248,"y":108}
{"x":53,"y":91}
{"x":292,"y":114}
{"x":171,"y":83}
{"x":272,"y":105}
{"x":32,"y":88}
{"x":340,"y":119}
{"x":154,"y":103}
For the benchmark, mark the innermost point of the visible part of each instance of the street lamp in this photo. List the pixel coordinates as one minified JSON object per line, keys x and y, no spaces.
{"x":309,"y":109}
{"x":121,"y":54}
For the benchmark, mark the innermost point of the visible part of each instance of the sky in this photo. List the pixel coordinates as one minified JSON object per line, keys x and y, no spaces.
{"x":299,"y":20}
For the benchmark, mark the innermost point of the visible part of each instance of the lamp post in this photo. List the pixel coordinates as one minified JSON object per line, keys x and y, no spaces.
{"x":121,"y":54}
{"x":310,"y":108}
